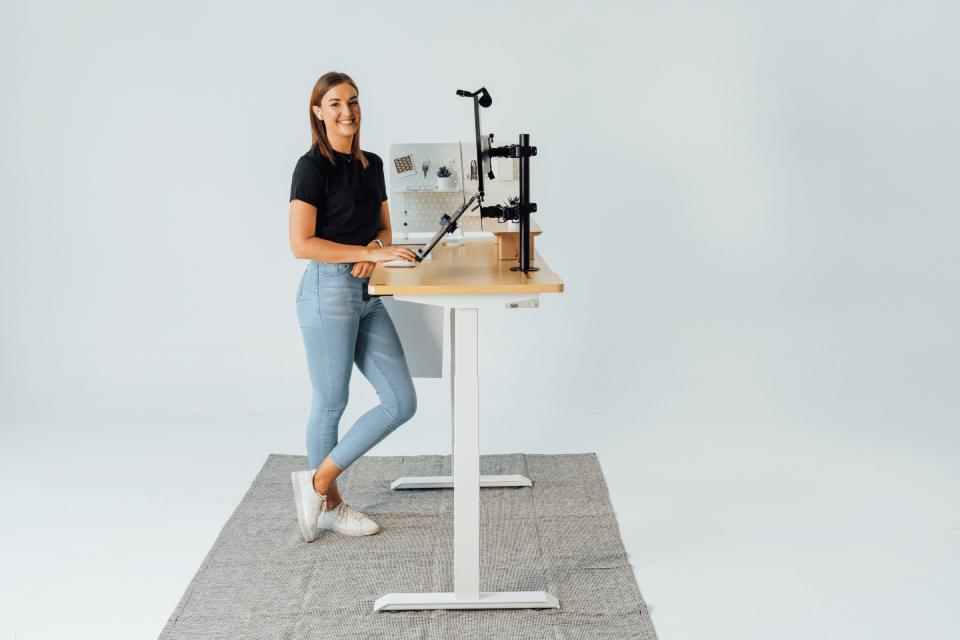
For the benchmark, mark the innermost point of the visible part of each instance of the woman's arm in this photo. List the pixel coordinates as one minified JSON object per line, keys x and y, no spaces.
{"x":384,"y":234}
{"x":304,"y":244}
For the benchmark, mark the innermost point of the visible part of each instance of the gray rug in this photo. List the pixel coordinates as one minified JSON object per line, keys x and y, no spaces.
{"x":261,"y":581}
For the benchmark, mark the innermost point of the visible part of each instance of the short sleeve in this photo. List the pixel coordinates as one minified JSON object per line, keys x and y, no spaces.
{"x":383,"y":185}
{"x":308,"y":184}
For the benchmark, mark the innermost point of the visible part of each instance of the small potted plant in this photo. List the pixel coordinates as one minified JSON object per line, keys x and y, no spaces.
{"x":446,"y":181}
{"x":513,"y":201}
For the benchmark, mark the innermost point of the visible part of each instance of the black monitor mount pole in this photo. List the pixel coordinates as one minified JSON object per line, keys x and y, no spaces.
{"x":515,"y":212}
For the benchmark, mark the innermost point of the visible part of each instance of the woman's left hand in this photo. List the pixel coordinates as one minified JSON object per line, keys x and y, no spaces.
{"x":362,"y":269}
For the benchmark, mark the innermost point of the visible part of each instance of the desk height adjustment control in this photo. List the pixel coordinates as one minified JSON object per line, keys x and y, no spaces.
{"x":533,"y":303}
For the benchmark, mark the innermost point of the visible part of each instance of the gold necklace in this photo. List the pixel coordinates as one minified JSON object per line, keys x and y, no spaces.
{"x":347,"y":158}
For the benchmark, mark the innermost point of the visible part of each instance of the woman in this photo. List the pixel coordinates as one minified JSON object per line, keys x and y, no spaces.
{"x":339,"y":220}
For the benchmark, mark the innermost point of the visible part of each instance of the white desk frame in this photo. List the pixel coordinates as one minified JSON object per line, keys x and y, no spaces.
{"x":466,"y":479}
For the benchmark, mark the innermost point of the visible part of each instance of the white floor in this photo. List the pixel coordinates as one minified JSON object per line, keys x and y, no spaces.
{"x":748,"y":527}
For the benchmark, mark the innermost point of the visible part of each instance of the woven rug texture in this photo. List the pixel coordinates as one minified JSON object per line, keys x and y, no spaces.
{"x":261,"y":581}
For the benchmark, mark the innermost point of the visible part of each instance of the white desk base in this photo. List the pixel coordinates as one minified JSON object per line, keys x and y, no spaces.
{"x":466,"y":479}
{"x":487,"y":600}
{"x":446,"y":482}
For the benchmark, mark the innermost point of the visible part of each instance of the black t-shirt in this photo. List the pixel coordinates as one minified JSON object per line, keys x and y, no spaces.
{"x":347,"y":196}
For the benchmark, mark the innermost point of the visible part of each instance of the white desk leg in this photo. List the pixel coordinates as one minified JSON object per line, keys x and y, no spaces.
{"x":466,"y":454}
{"x":453,"y":391}
{"x":466,"y":497}
{"x":446,"y":482}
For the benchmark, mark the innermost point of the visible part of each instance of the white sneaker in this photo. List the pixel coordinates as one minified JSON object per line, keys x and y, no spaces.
{"x":309,"y":502}
{"x":346,"y":520}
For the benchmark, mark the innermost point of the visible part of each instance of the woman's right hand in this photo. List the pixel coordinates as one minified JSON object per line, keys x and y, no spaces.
{"x":391,"y":252}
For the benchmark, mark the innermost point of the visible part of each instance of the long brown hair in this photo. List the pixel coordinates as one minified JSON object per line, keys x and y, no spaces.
{"x":319,"y":129}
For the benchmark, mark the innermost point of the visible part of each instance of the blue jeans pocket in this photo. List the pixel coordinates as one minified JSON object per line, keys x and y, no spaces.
{"x":300,"y":286}
{"x":333,"y":269}
{"x":309,"y":284}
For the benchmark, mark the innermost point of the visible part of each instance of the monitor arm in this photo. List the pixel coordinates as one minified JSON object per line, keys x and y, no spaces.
{"x":514,"y":212}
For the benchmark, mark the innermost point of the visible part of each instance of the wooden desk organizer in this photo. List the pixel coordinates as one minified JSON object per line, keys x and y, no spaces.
{"x":508,"y":240}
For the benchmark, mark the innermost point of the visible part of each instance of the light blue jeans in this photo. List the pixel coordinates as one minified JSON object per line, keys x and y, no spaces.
{"x":340,"y":329}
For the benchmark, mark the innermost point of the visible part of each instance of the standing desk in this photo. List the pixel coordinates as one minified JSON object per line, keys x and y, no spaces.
{"x":465,"y":278}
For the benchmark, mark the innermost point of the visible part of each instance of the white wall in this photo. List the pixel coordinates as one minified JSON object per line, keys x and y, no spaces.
{"x":754,"y":206}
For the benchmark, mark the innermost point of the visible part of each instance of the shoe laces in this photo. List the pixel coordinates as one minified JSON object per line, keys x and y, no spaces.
{"x":323,"y":502}
{"x":347,"y":512}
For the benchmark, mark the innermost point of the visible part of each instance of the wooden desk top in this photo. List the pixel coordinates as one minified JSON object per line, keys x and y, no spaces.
{"x":474,"y":267}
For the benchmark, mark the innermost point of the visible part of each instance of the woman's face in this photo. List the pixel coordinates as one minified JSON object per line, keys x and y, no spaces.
{"x":339,"y":110}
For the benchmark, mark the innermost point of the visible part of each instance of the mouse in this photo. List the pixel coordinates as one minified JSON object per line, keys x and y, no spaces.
{"x":399,"y":263}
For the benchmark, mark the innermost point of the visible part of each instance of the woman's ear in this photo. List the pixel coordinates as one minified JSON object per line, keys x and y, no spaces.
{"x":316,"y":112}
